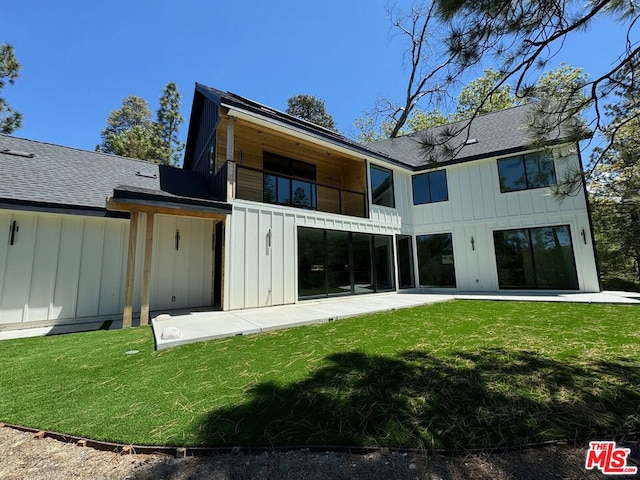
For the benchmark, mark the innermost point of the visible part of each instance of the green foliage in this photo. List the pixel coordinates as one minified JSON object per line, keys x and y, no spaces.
{"x":369,"y":131}
{"x":617,"y":232}
{"x":168,"y":120}
{"x":451,"y":375}
{"x":138,"y":142}
{"x":423,"y":120}
{"x":311,"y":109}
{"x":10,"y":120}
{"x":564,"y":82}
{"x":483,"y":95}
{"x":615,"y":187}
{"x":131,"y":131}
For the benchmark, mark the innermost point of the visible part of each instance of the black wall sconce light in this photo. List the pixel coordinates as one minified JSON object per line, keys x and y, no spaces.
{"x":13,"y":230}
{"x":584,"y":236}
{"x":177,"y":239}
{"x":473,"y":244}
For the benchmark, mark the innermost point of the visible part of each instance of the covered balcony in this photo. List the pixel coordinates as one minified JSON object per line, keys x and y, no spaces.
{"x":271,"y":166}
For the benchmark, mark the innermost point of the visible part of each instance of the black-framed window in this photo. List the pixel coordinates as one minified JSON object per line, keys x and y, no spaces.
{"x":382,"y":186}
{"x":332,"y":262}
{"x":533,"y":170}
{"x":436,"y":267}
{"x":430,"y":187}
{"x":295,"y":186}
{"x":536,"y":258}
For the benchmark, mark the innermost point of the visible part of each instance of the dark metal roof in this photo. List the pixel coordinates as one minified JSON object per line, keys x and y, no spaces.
{"x":62,"y":177}
{"x":489,"y":135}
{"x":233,"y":100}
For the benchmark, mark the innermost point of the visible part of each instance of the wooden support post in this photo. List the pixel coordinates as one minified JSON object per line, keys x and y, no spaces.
{"x":214,"y":239}
{"x":231,"y":180}
{"x":131,"y":271}
{"x":222,"y":263}
{"x":231,"y":123}
{"x":146,"y":276}
{"x":231,"y":165}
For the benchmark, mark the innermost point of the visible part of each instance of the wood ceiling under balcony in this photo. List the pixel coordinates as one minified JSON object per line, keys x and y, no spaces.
{"x":333,"y":167}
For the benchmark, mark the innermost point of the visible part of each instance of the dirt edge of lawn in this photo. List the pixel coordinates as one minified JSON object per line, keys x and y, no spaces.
{"x":27,"y":456}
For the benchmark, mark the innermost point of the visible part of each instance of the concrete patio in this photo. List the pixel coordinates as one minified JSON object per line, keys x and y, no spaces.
{"x":179,"y":328}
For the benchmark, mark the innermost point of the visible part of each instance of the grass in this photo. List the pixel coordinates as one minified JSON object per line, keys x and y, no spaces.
{"x":457,"y":375}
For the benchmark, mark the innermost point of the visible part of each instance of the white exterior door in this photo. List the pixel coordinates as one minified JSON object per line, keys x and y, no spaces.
{"x":182,"y":263}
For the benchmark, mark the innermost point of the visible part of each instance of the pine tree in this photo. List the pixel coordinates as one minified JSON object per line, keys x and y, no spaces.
{"x":168,"y":120}
{"x":130,"y":131}
{"x":10,"y":120}
{"x":311,"y":109}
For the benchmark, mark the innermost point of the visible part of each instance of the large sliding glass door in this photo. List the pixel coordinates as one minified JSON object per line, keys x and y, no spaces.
{"x":311,"y":268}
{"x":383,"y":258}
{"x":404,"y":248}
{"x":435,"y":260}
{"x":362,"y":266}
{"x":536,"y":258}
{"x":333,"y":262}
{"x":338,"y":264}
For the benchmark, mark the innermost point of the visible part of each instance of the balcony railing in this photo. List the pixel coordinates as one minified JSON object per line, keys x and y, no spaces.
{"x":251,"y":183}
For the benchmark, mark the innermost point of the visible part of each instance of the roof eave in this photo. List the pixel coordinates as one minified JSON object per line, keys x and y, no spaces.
{"x":493,"y":154}
{"x":146,"y":199}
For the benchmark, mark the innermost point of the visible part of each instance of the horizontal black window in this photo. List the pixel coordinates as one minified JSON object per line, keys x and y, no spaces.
{"x":534,"y":170}
{"x":430,"y":187}
{"x":332,"y":262}
{"x":295,"y":186}
{"x":382,"y":186}
{"x":536,"y":258}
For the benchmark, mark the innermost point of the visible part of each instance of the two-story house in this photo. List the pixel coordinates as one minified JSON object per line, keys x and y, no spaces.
{"x":272,"y":210}
{"x":315,"y":215}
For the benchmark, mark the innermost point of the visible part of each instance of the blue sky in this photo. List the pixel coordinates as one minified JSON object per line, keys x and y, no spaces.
{"x":80,"y":59}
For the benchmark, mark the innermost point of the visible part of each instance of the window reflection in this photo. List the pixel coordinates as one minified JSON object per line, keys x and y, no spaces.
{"x":536,"y":258}
{"x":534,"y":170}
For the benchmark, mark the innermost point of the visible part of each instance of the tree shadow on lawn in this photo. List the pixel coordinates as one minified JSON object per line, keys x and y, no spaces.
{"x":486,"y":399}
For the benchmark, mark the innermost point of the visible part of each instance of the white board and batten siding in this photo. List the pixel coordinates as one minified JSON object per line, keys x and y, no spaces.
{"x":262,"y":249}
{"x":65,"y":269}
{"x":261,"y":254}
{"x":476,"y":208}
{"x":61,"y":268}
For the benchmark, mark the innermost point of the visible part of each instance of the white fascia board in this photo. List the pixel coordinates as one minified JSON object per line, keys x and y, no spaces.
{"x":303,"y":135}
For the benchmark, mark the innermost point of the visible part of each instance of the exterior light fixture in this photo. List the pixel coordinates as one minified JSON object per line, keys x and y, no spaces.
{"x":13,"y":229}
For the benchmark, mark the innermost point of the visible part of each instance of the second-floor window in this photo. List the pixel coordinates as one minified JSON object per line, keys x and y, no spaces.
{"x":534,"y":170}
{"x":430,"y":187}
{"x":382,"y":186}
{"x":288,"y":182}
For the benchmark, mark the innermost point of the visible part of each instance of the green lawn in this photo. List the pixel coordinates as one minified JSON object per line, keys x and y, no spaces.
{"x":454,"y":375}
